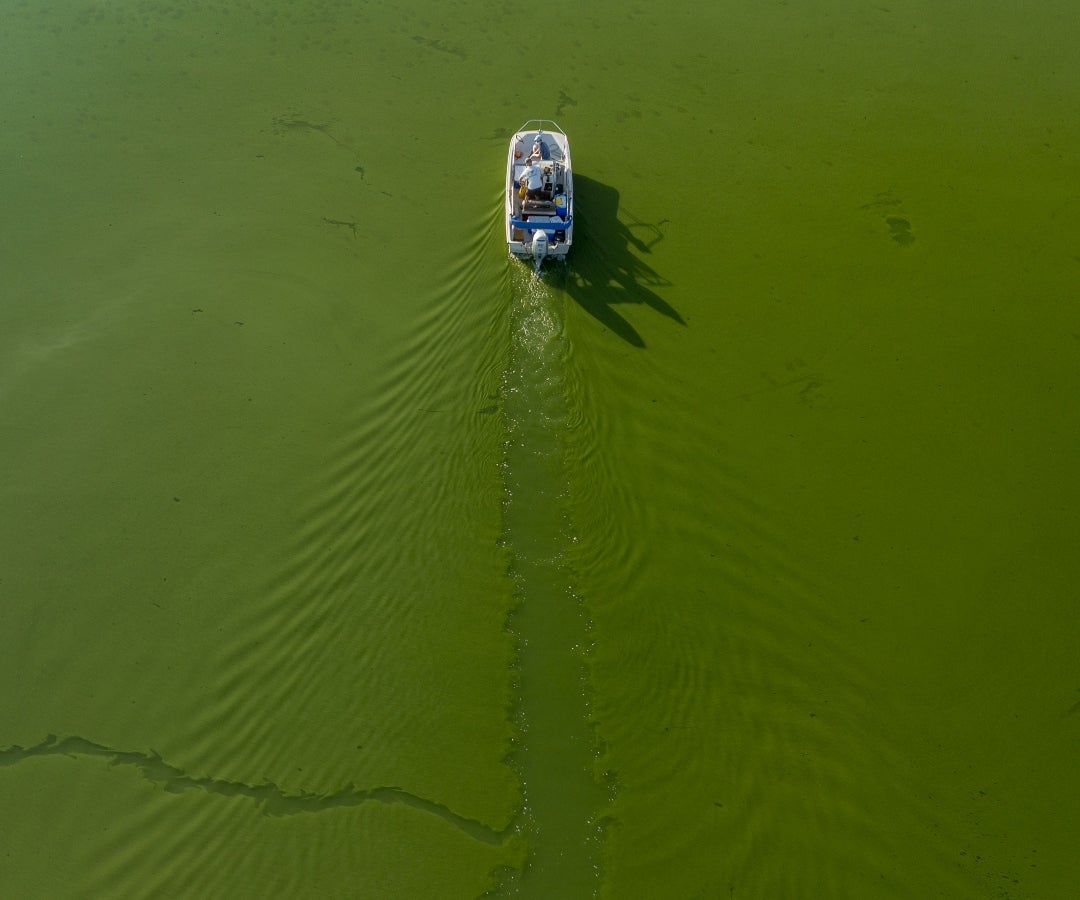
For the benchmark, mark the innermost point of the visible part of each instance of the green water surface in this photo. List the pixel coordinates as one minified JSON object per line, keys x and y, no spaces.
{"x":341,"y":557}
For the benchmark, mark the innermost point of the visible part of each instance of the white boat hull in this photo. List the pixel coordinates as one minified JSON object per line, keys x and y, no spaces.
{"x":539,"y":226}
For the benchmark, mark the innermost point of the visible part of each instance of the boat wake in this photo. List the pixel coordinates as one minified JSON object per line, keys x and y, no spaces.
{"x":555,"y":755}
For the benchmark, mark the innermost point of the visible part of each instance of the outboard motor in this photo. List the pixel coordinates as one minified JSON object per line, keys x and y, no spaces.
{"x":539,"y":247}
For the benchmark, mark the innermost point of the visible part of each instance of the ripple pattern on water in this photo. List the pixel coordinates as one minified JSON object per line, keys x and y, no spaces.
{"x":720,"y":674}
{"x":372,"y":662}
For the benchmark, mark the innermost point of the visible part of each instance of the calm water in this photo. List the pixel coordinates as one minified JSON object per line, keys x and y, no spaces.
{"x":343,"y":558}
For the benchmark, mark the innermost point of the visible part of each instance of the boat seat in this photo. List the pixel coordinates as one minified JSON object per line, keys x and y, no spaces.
{"x":539,"y":208}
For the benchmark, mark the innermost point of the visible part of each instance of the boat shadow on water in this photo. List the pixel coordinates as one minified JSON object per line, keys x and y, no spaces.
{"x":606,"y":268}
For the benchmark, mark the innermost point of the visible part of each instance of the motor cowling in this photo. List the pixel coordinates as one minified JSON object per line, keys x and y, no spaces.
{"x":539,"y":245}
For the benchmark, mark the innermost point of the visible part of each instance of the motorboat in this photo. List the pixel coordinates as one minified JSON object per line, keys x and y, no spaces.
{"x":539,"y":192}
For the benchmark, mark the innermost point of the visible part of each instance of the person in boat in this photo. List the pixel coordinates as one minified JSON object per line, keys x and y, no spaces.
{"x":539,"y":150}
{"x":532,"y":180}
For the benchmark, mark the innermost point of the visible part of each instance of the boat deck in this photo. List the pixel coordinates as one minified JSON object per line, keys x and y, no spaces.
{"x":550,"y":212}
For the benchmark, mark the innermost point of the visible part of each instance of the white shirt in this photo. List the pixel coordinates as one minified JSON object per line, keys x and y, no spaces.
{"x":533,"y":177}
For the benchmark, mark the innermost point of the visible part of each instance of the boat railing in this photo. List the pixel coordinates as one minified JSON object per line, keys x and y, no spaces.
{"x":542,"y":125}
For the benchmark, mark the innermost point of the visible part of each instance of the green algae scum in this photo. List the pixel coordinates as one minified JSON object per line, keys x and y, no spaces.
{"x":731,"y":557}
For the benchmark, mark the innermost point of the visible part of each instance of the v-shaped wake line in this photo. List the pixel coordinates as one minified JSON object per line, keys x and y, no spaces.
{"x":270,"y":798}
